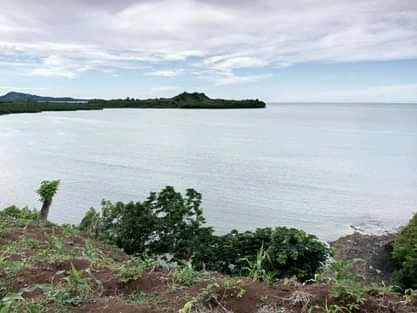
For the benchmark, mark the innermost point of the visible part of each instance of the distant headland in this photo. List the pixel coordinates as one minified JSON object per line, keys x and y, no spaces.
{"x":15,"y":102}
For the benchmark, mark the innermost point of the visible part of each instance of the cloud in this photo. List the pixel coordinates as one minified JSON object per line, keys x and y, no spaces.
{"x":215,"y":36}
{"x":165,"y":73}
{"x":232,"y":79}
{"x":56,"y":66}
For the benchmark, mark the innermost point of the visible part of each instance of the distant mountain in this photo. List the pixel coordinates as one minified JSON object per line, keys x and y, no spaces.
{"x":25,"y":97}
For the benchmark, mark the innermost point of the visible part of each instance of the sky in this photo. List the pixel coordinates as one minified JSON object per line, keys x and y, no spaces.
{"x":274,"y":50}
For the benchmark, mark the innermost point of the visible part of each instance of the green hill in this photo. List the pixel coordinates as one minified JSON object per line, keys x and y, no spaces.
{"x":25,"y":97}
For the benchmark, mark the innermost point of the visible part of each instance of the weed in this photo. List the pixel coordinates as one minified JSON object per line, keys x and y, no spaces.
{"x":379,"y":290}
{"x":410,"y":295}
{"x":328,"y":308}
{"x":56,"y":245}
{"x":71,"y":291}
{"x":188,"y":306}
{"x":213,"y":294}
{"x":16,"y":303}
{"x":185,"y":275}
{"x":89,"y":250}
{"x":134,"y":269}
{"x":136,"y":298}
{"x":350,"y":293}
{"x":69,"y":230}
{"x":231,"y":283}
{"x":256,"y":268}
{"x":140,"y":297}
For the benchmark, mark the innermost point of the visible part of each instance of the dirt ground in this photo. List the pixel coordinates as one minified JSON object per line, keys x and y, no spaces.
{"x":155,"y":292}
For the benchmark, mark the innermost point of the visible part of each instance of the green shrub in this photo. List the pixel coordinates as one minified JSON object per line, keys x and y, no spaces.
{"x":14,"y":212}
{"x":165,"y":222}
{"x":169,"y":223}
{"x":293,"y":252}
{"x":286,"y":252}
{"x":405,"y":255}
{"x":90,"y":222}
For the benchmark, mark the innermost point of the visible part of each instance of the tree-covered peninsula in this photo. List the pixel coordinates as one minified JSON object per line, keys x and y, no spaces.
{"x":33,"y":104}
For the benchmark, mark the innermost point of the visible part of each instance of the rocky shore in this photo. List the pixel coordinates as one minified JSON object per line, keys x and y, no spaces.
{"x":369,"y":256}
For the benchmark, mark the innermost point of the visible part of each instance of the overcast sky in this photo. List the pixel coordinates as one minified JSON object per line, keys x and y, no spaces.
{"x":275,"y":50}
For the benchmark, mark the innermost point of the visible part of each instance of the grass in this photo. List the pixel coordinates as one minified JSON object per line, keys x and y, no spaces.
{"x":30,"y":244}
{"x":37,"y":244}
{"x":185,"y":275}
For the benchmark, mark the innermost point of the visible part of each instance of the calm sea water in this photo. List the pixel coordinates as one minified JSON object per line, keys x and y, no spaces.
{"x":320,"y":167}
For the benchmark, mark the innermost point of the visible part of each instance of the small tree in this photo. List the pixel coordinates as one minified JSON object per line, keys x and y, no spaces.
{"x":47,"y":191}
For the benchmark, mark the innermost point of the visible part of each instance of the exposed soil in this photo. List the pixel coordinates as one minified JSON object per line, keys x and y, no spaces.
{"x":370,"y":256}
{"x":155,"y":291}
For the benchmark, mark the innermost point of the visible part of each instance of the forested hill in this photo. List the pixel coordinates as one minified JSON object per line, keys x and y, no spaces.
{"x":25,"y":97}
{"x":184,"y":100}
{"x":24,"y":103}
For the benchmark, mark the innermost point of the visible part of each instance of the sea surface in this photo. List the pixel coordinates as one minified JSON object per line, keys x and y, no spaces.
{"x":319,"y":167}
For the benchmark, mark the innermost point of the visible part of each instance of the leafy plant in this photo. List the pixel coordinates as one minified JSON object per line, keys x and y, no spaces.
{"x":410,"y":295}
{"x":73,"y":290}
{"x":20,"y":214}
{"x":167,"y":223}
{"x":16,"y":303}
{"x":348,"y":292}
{"x":184,"y":274}
{"x":256,"y":268}
{"x":328,"y":308}
{"x":90,"y":222}
{"x":164,"y":223}
{"x":135,"y":267}
{"x":296,"y":253}
{"x":46,"y":191}
{"x":89,"y":250}
{"x":405,"y":255}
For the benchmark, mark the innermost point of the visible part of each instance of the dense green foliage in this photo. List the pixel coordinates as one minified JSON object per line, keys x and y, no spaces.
{"x":405,"y":255}
{"x":46,"y":191}
{"x":15,"y":213}
{"x":182,"y":101}
{"x":165,"y":222}
{"x":36,"y":107}
{"x":169,"y":223}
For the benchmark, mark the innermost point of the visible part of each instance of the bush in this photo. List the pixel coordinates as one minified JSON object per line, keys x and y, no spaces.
{"x":168,"y":223}
{"x":288,"y":252}
{"x":293,"y":252}
{"x":405,"y":255}
{"x":14,"y":212}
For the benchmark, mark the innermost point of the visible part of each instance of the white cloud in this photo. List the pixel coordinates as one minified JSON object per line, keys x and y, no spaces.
{"x":238,"y":79}
{"x":214,"y":36}
{"x":165,"y":73}
{"x":56,"y":66}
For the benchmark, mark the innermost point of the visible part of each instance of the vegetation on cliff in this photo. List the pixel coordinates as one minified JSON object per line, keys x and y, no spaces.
{"x":50,"y":268}
{"x":168,"y":223}
{"x":405,"y":255}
